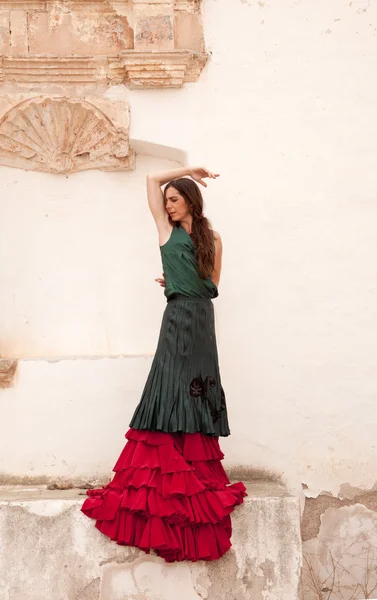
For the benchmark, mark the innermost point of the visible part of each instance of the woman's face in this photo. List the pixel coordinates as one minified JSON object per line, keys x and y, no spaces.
{"x":176,"y":205}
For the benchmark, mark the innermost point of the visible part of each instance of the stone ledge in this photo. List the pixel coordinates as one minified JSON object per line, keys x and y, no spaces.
{"x":144,"y":70}
{"x":22,"y":4}
{"x":45,"y":532}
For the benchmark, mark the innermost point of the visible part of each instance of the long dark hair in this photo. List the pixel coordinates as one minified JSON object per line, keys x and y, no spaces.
{"x":201,"y":231}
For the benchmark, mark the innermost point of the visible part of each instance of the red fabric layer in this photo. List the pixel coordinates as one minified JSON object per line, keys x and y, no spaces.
{"x":169,"y":494}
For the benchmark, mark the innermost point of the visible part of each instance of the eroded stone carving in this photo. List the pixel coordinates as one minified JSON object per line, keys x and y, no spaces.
{"x":83,"y":41}
{"x":161,"y":69}
{"x":137,"y":69}
{"x":8,"y":369}
{"x":61,"y":135}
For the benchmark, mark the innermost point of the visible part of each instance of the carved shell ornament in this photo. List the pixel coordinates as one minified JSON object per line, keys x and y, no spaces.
{"x":59,"y":135}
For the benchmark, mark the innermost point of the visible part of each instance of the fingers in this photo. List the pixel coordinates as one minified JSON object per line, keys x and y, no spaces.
{"x":210,"y":174}
{"x":198,"y":174}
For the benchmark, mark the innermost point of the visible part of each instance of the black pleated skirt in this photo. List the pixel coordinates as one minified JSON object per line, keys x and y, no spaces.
{"x":183,"y":392}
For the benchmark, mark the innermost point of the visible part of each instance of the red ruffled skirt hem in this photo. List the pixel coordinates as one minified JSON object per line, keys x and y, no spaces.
{"x":169,"y":494}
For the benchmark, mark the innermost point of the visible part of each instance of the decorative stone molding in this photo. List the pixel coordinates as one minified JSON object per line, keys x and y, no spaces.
{"x":22,"y":5}
{"x":8,"y":369}
{"x":61,"y":135}
{"x":136,"y":69}
{"x":153,"y":43}
{"x":161,"y":69}
{"x":56,"y":69}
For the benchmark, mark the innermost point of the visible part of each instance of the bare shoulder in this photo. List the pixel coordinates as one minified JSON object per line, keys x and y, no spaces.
{"x":217,"y":237}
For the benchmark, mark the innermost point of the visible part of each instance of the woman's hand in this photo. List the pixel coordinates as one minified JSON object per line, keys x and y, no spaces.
{"x":161,"y":281}
{"x":199,"y":173}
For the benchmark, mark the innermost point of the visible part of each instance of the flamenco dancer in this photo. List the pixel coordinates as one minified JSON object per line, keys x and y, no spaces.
{"x":170,"y":492}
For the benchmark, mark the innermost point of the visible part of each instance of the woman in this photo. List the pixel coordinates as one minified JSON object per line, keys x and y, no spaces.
{"x":170,"y":492}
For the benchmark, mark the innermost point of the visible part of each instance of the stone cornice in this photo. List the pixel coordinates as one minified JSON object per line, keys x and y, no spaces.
{"x":161,"y":69}
{"x":66,"y":5}
{"x":137,"y":69}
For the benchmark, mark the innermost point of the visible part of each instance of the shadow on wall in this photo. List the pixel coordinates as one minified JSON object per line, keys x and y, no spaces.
{"x":159,"y":151}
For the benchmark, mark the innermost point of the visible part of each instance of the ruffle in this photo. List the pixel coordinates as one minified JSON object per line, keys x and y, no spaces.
{"x":169,"y":494}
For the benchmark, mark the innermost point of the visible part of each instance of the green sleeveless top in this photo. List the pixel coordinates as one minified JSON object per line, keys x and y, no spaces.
{"x":181,"y":268}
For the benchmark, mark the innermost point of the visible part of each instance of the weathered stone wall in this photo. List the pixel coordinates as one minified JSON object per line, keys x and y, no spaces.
{"x":340,"y":545}
{"x":45,"y":532}
{"x":285,"y":111}
{"x":143,"y":44}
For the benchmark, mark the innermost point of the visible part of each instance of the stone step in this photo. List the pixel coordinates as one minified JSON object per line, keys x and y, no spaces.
{"x":50,"y":551}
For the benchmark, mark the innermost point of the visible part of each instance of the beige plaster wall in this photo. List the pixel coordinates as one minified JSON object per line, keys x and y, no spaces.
{"x":285,"y":111}
{"x":80,"y":257}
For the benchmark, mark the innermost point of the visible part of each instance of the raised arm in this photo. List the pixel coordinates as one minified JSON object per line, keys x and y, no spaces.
{"x":156,"y":197}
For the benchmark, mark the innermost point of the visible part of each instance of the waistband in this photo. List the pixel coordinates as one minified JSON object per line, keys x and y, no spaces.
{"x":191,"y":298}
